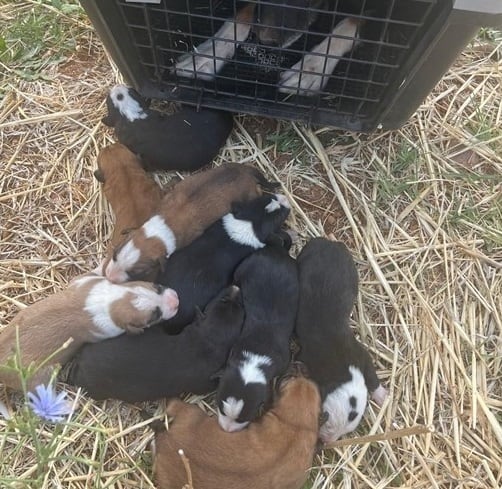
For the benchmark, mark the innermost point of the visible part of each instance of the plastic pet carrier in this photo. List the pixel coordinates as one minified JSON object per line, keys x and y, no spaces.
{"x":353,"y":64}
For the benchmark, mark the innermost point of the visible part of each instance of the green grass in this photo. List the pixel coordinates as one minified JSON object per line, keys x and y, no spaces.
{"x":39,"y":35}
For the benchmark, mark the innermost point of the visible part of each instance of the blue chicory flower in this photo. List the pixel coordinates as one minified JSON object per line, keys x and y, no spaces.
{"x":48,"y":405}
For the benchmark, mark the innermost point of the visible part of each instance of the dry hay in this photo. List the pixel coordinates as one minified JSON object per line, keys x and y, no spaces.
{"x":420,"y":208}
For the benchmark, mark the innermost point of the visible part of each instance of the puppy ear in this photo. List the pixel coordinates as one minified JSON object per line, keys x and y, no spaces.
{"x":236,"y":209}
{"x":217,"y":375}
{"x":108,"y":121}
{"x":162,"y":264}
{"x":199,"y":315}
{"x":98,"y":175}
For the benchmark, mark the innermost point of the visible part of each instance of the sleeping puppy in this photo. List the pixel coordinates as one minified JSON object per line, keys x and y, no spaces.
{"x":131,"y":193}
{"x":183,"y":215}
{"x":280,"y":25}
{"x":156,"y":365}
{"x":339,"y":364}
{"x":91,"y":309}
{"x":200,"y":270}
{"x":186,"y":140}
{"x":275,"y":452}
{"x":269,"y":283}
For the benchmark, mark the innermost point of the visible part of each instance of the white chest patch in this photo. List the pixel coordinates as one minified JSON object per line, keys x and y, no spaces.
{"x":127,"y":257}
{"x":241,"y":232}
{"x":345,"y":407}
{"x":97,"y":304}
{"x":126,"y":105}
{"x":156,"y":227}
{"x":250,"y":370}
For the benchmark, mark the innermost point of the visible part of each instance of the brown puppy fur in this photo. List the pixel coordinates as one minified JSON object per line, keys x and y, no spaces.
{"x":183,"y":214}
{"x":91,"y":309}
{"x":133,"y":195}
{"x":274,"y":452}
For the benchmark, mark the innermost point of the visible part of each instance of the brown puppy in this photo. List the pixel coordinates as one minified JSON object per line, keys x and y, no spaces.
{"x":91,"y":309}
{"x":274,"y":452}
{"x":131,"y":192}
{"x":184,"y":213}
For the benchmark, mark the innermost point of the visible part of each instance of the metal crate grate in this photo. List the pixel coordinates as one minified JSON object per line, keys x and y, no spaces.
{"x":355,"y":93}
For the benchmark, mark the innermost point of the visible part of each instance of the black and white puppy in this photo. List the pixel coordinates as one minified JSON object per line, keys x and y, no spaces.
{"x":158,"y":365}
{"x":269,"y":283}
{"x":186,"y":140}
{"x":200,"y":270}
{"x":339,"y":364}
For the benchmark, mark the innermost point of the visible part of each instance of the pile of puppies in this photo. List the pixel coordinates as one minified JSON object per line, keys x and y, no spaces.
{"x":204,"y":272}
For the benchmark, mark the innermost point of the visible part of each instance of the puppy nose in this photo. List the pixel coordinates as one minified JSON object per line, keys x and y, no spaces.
{"x":171,"y":302}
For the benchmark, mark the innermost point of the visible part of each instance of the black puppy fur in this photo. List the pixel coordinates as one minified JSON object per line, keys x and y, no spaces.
{"x":186,"y":140}
{"x":269,"y":284}
{"x":328,"y":347}
{"x":155,"y":365}
{"x":200,"y":270}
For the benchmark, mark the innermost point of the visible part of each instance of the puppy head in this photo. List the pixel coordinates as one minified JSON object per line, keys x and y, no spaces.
{"x":243,"y":391}
{"x":143,"y":254}
{"x":226,"y":308}
{"x":252,"y":223}
{"x":112,"y":158}
{"x":124,"y":102}
{"x":344,"y":407}
{"x":132,"y":306}
{"x":281,"y":22}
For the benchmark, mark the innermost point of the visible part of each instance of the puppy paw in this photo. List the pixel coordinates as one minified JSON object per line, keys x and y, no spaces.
{"x":202,"y":63}
{"x":311,"y":74}
{"x":379,"y":395}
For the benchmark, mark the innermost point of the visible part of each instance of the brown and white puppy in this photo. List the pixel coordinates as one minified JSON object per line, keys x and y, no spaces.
{"x":274,"y":452}
{"x":132,"y":193}
{"x":91,"y":309}
{"x":183,"y":215}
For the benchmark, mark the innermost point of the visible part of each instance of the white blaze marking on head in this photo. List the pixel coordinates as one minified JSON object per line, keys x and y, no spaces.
{"x":241,"y":231}
{"x":283,"y":200}
{"x":148,"y":300}
{"x":127,"y":257}
{"x":97,"y":304}
{"x":272,"y":206}
{"x":232,"y":408}
{"x":156,"y":227}
{"x":128,"y":107}
{"x":337,"y":405}
{"x":250,"y":370}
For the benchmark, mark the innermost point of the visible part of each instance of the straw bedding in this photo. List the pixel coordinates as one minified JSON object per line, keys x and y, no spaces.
{"x":420,"y":208}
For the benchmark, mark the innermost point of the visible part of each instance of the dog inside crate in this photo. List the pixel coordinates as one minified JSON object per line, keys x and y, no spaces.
{"x":338,"y":51}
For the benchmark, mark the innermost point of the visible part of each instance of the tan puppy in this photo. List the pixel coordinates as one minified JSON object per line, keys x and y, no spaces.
{"x":131,"y":192}
{"x":274,"y":452}
{"x":91,"y":309}
{"x":184,"y":213}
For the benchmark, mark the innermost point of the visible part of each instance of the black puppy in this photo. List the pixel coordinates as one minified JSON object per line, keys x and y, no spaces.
{"x":156,"y":365}
{"x":200,"y":270}
{"x":269,"y":284}
{"x":334,"y":358}
{"x":186,"y":140}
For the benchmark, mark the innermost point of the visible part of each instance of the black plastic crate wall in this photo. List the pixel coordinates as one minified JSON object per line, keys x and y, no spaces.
{"x":258,"y":56}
